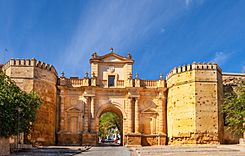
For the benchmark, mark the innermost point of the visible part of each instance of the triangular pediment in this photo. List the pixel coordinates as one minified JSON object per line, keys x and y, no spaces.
{"x":112,"y":57}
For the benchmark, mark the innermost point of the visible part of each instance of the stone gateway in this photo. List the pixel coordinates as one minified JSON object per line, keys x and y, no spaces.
{"x":183,"y":109}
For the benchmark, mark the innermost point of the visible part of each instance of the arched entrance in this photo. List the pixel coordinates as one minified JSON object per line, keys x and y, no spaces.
{"x":114,"y":110}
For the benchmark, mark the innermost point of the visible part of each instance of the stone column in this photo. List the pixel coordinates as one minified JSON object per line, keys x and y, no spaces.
{"x":62,"y":113}
{"x":92,"y":116}
{"x":161,"y":114}
{"x":130,"y":114}
{"x":87,"y":115}
{"x":92,"y":107}
{"x":136,"y":124}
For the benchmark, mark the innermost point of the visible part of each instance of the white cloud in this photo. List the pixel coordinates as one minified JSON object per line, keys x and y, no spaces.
{"x":117,"y":24}
{"x":220,"y":57}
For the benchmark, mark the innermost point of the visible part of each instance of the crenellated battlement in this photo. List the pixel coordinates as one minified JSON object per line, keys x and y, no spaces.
{"x":194,"y":100}
{"x":34,"y":75}
{"x":193,"y":66}
{"x":186,"y":108}
{"x":29,"y":63}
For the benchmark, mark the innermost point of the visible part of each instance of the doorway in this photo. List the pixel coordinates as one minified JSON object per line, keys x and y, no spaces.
{"x":110,"y":129}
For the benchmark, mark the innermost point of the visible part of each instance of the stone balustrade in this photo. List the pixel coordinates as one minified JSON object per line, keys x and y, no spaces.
{"x":76,"y":82}
{"x":148,"y":83}
{"x":120,"y":83}
{"x":104,"y":83}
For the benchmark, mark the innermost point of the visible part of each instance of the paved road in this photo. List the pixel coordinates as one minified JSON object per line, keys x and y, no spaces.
{"x":220,"y":150}
{"x":106,"y":151}
{"x":74,"y":150}
{"x":199,"y":150}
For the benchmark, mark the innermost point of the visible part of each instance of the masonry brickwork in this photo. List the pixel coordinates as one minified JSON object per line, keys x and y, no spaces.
{"x":5,"y":147}
{"x":183,"y":109}
{"x":40,"y":77}
{"x":194,"y":104}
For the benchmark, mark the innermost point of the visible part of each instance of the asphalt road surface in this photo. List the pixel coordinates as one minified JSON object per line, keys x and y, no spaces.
{"x":106,"y":151}
{"x":74,"y":150}
{"x":195,"y":150}
{"x":201,"y":150}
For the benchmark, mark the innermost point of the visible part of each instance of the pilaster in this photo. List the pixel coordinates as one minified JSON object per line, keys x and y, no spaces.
{"x":87,"y":115}
{"x":130,"y":116}
{"x":136,"y":124}
{"x":161,"y":106}
{"x":62,"y":112}
{"x":92,"y":107}
{"x":92,"y":112}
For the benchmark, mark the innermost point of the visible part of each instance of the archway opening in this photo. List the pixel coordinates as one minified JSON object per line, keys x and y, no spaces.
{"x":110,"y":128}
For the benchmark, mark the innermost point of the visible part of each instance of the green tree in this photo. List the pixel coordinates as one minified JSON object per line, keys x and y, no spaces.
{"x":108,"y":121}
{"x":17,"y":108}
{"x":234,"y":109}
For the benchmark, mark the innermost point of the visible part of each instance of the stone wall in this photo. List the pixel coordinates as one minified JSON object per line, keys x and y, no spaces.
{"x":194,"y":102}
{"x":30,"y":74}
{"x":232,"y":80}
{"x":141,"y":111}
{"x":70,"y":116}
{"x":192,"y":115}
{"x":4,"y":146}
{"x":181,"y":106}
{"x":44,"y":126}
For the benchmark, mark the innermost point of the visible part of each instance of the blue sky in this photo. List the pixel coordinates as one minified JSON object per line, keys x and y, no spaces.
{"x":160,"y":34}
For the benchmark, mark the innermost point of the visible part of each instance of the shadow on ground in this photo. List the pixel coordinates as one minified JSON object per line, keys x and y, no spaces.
{"x":108,"y":144}
{"x":49,"y":151}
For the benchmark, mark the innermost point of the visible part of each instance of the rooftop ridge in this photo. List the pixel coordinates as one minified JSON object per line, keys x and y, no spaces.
{"x":30,"y":62}
{"x":193,"y":66}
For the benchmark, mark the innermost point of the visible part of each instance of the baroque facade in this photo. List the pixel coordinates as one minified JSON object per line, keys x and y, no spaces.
{"x":183,"y":109}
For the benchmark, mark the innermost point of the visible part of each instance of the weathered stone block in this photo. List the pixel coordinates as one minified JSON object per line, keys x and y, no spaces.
{"x":149,"y":140}
{"x":133,"y":140}
{"x":89,"y":139}
{"x":4,"y":146}
{"x":69,"y":139}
